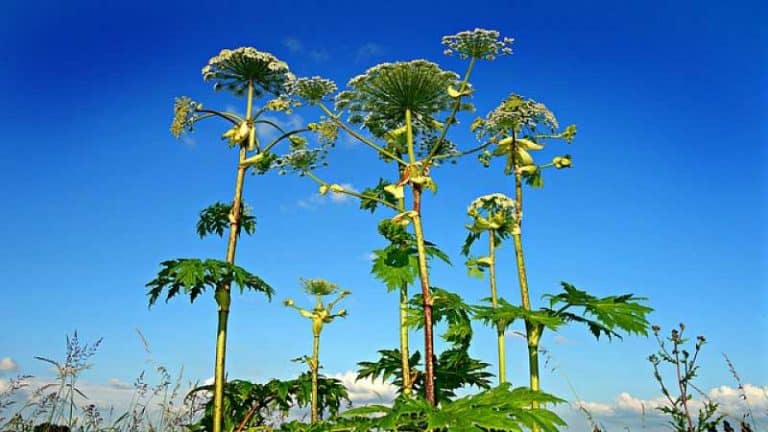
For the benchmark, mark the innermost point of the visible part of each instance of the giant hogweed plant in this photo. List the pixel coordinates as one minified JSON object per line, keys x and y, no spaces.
{"x":406,"y":109}
{"x":320,"y":315}
{"x":494,"y":215}
{"x":515,"y":128}
{"x":255,"y":75}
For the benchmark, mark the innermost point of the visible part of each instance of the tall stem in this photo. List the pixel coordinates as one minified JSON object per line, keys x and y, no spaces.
{"x":223,"y":297}
{"x":495,"y":303}
{"x":315,"y":365}
{"x":532,"y":333}
{"x":404,"y":349}
{"x":429,"y":364}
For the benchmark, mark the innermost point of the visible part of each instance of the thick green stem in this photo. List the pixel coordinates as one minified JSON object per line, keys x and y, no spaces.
{"x":532,"y":333}
{"x":495,"y":302}
{"x":314,"y":366}
{"x":223,"y":292}
{"x":429,"y":364}
{"x":404,"y":350}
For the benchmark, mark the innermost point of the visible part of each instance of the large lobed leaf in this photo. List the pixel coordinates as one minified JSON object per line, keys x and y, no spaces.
{"x":192,"y":276}
{"x":624,"y":312}
{"x":497,"y":409}
{"x":215,"y":219}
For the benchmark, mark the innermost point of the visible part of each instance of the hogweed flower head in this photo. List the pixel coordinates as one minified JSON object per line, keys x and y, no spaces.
{"x":516,"y":113}
{"x":479,"y":44}
{"x":313,"y":89}
{"x":234,"y":69}
{"x":379,"y":98}
{"x":183,"y":115}
{"x":327,"y":131}
{"x":494,"y":211}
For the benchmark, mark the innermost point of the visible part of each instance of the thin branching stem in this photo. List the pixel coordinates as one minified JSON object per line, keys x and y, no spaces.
{"x":319,"y":181}
{"x":452,"y":117}
{"x":358,"y":136}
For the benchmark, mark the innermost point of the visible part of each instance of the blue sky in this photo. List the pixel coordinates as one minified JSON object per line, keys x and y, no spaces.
{"x":666,"y":199}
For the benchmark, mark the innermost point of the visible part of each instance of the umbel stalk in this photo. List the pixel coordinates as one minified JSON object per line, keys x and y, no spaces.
{"x":495,"y":302}
{"x":404,"y":349}
{"x":223,"y":292}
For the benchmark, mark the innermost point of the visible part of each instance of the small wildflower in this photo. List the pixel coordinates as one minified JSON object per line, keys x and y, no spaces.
{"x":479,"y":44}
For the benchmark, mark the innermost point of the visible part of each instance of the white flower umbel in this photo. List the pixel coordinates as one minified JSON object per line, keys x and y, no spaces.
{"x":478,"y":44}
{"x":233,"y":69}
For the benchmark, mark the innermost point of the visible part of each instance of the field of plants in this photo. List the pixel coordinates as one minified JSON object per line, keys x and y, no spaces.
{"x":406,"y":113}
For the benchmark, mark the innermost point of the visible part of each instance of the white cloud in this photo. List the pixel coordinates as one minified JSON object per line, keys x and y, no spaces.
{"x":319,"y":55}
{"x":7,"y":364}
{"x":267,"y":132}
{"x":366,"y":390}
{"x":188,"y":141}
{"x":294,"y":45}
{"x":633,"y":411}
{"x":118,"y":384}
{"x":368,"y":51}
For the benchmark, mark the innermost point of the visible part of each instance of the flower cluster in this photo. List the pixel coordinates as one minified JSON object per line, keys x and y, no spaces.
{"x":280,"y":104}
{"x":300,"y":160}
{"x":491,"y":202}
{"x":379,"y":98}
{"x":495,"y":211}
{"x":184,"y":110}
{"x":327,"y":131}
{"x":478,"y":44}
{"x":517,"y":113}
{"x":313,"y":89}
{"x":234,"y":69}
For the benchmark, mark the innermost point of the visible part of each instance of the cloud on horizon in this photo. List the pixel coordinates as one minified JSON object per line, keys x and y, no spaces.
{"x":7,"y":364}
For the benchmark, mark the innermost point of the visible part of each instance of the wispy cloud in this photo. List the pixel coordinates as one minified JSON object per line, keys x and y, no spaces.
{"x":368,"y":51}
{"x":295,"y":46}
{"x":7,"y":364}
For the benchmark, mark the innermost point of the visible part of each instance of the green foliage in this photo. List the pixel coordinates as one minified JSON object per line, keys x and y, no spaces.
{"x":505,"y":314}
{"x":397,"y":264}
{"x":215,"y":219}
{"x":497,"y":409}
{"x":253,"y":403}
{"x":447,"y":307}
{"x":192,"y":276}
{"x":454,"y":370}
{"x":624,"y":312}
{"x":372,"y":194}
{"x":684,"y":365}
